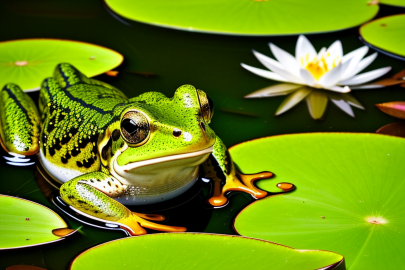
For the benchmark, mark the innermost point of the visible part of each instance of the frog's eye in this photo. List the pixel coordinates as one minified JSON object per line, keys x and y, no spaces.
{"x":207,"y":106}
{"x":135,"y":127}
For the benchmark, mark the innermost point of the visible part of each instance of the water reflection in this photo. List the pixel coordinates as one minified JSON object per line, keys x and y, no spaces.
{"x":18,"y":160}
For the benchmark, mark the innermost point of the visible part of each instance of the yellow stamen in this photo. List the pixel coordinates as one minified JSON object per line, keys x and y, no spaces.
{"x":318,"y":66}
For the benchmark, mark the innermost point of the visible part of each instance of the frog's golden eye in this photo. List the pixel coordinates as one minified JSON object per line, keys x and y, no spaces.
{"x":135,"y":127}
{"x":207,"y":106}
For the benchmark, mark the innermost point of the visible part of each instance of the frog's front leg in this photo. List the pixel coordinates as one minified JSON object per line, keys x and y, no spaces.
{"x":92,"y":194}
{"x":220,"y":167}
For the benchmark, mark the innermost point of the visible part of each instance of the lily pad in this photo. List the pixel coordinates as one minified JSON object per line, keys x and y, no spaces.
{"x":349,"y":196}
{"x":399,"y":3}
{"x":27,"y":62}
{"x":201,"y":251}
{"x":250,"y":17}
{"x":386,"y":35}
{"x":24,"y":223}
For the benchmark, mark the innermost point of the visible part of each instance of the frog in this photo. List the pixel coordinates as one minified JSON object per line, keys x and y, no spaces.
{"x":108,"y":151}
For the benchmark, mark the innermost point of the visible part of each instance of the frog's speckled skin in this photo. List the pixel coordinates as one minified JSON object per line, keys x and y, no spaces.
{"x":20,"y":121}
{"x":89,"y":140}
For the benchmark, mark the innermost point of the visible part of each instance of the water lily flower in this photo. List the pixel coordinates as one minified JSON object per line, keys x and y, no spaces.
{"x":309,"y":74}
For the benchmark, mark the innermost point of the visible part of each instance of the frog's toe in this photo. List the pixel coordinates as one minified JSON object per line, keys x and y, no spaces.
{"x":239,"y":182}
{"x":248,"y":183}
{"x":217,"y":201}
{"x":134,"y":223}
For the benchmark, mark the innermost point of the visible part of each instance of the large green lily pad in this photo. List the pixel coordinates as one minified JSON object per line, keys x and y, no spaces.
{"x":24,"y":223}
{"x":349,"y":197}
{"x":27,"y":62}
{"x":386,"y":34}
{"x":399,"y":3}
{"x":201,"y":251}
{"x":248,"y":17}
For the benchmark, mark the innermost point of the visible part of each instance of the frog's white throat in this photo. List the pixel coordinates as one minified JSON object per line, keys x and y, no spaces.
{"x":159,"y":179}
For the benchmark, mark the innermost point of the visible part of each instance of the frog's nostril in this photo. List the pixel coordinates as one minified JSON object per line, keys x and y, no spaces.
{"x":176,"y":132}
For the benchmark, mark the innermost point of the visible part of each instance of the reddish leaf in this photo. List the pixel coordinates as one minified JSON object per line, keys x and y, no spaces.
{"x":394,"y":129}
{"x":398,"y":78}
{"x":395,"y":108}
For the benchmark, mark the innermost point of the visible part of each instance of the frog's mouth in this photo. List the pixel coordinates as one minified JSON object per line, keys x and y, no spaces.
{"x":162,"y":175}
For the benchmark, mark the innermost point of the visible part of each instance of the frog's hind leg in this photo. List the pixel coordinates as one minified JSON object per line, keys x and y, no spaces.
{"x":19,"y":125}
{"x":92,"y":194}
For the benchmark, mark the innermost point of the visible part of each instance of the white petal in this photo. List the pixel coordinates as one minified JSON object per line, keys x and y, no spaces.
{"x":355,"y":59}
{"x":336,"y":49}
{"x":303,"y":48}
{"x":264,"y":73}
{"x":267,"y":61}
{"x":345,"y":66}
{"x":293,"y":100}
{"x":274,"y":90}
{"x":307,"y":77}
{"x":366,"y":77}
{"x":286,"y":60}
{"x":344,"y":106}
{"x":366,"y":86}
{"x":321,"y":52}
{"x":364,"y":63}
{"x":277,"y":68}
{"x":331,"y":78}
{"x":360,"y":51}
{"x":339,"y":89}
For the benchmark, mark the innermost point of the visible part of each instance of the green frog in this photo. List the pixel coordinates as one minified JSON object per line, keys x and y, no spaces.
{"x":108,"y":150}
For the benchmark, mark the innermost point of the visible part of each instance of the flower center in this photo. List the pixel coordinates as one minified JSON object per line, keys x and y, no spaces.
{"x":321,"y":64}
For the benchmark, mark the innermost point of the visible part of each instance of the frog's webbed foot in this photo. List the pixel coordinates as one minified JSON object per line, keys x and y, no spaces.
{"x":88,"y":194}
{"x":238,"y":181}
{"x":134,"y":222}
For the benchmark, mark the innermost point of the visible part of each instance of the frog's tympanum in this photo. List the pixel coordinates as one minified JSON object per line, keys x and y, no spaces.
{"x":109,"y":150}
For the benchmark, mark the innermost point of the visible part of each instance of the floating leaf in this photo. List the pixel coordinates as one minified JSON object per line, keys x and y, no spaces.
{"x":27,"y":62}
{"x":399,"y":3}
{"x":386,"y":34}
{"x":251,"y":17}
{"x":24,"y":223}
{"x":349,"y":196}
{"x":395,"y":108}
{"x":394,"y":129}
{"x":201,"y":251}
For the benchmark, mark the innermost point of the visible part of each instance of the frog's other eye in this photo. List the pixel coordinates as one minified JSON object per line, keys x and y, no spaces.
{"x":135,"y":127}
{"x":206,"y":105}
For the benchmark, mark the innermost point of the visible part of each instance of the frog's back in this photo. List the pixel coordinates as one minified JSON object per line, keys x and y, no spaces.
{"x":75,"y":110}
